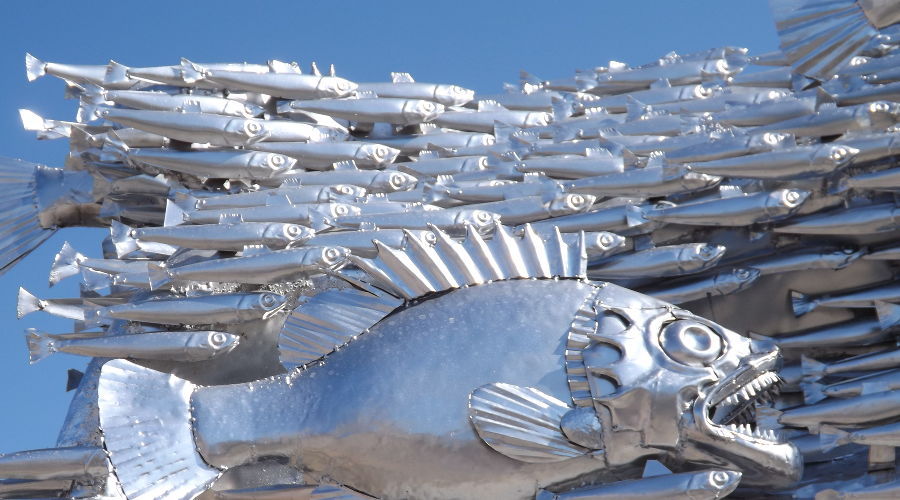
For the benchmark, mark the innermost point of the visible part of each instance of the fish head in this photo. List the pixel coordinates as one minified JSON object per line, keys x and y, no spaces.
{"x":769,"y":140}
{"x":272,"y":161}
{"x":602,"y":242}
{"x":481,"y":140}
{"x":333,"y":210}
{"x":836,"y":155}
{"x":538,"y":119}
{"x":570,"y":203}
{"x":665,"y":381}
{"x":378,"y":154}
{"x":720,"y":482}
{"x":244,"y":109}
{"x":418,"y":110}
{"x":453,"y":95}
{"x":335,"y":86}
{"x":782,"y":201}
{"x":479,"y":220}
{"x":702,"y":254}
{"x":332,"y":257}
{"x":474,"y":164}
{"x":241,"y":131}
{"x":267,"y":303}
{"x":883,"y":114}
{"x":280,"y":235}
{"x":217,"y":342}
{"x":347,"y":191}
{"x":389,"y":182}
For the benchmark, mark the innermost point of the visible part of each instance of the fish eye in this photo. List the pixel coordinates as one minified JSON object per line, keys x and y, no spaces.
{"x":770,"y":138}
{"x":293,"y":230}
{"x":341,"y":210}
{"x":429,"y":237}
{"x":742,"y":274}
{"x":379,"y":152}
{"x":576,"y":201}
{"x":690,"y":342}
{"x":457,"y":89}
{"x":344,"y":190}
{"x":482,"y":217}
{"x":483,"y":162}
{"x":839,"y":153}
{"x":331,"y":254}
{"x":488,"y":140}
{"x":427,"y":106}
{"x":397,"y":181}
{"x":343,"y":85}
{"x":217,"y":339}
{"x":276,"y":160}
{"x":252,"y":128}
{"x":791,"y":197}
{"x":268,"y":300}
{"x":606,"y":240}
{"x":719,"y":478}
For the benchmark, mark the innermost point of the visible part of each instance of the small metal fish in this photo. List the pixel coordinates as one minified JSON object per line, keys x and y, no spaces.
{"x":863,"y":409}
{"x":779,"y":76}
{"x":256,"y":268}
{"x":887,"y":380}
{"x":374,"y":181}
{"x":359,"y":242}
{"x":739,"y":210}
{"x":594,"y":163}
{"x":93,"y":74}
{"x":828,"y":121}
{"x":85,"y":463}
{"x":226,"y":308}
{"x":321,"y":155}
{"x":804,"y":260}
{"x":295,"y":194}
{"x":385,"y":110}
{"x":71,"y":308}
{"x":779,"y":110}
{"x":881,"y":180}
{"x":703,"y":485}
{"x":802,"y":303}
{"x":167,"y":345}
{"x":496,"y":190}
{"x":181,"y":75}
{"x":453,"y":220}
{"x":69,"y":262}
{"x":526,"y":209}
{"x":723,"y":283}
{"x":613,"y":218}
{"x":227,"y":236}
{"x":867,"y":362}
{"x":890,"y":253}
{"x":858,"y":220}
{"x":880,"y":435}
{"x":226,"y":164}
{"x":435,"y":166}
{"x":855,"y":332}
{"x":283,"y":85}
{"x":163,"y":101}
{"x":660,"y":95}
{"x":437,"y":138}
{"x":644,"y":182}
{"x":790,"y":163}
{"x":488,"y":113}
{"x":280,"y":210}
{"x":673,"y":260}
{"x":402,"y":85}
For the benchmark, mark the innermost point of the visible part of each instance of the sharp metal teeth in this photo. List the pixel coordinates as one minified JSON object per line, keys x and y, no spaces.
{"x":744,"y":394}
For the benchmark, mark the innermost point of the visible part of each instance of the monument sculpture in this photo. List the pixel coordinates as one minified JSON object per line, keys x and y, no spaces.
{"x":319,"y":288}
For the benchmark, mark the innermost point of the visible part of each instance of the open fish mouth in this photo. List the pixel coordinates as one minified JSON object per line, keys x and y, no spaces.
{"x":730,"y":407}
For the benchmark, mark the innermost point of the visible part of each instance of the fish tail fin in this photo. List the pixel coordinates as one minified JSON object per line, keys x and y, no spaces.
{"x":812,"y":370}
{"x":65,"y":264}
{"x":191,"y":72}
{"x":115,"y":73}
{"x":87,"y":111}
{"x":175,"y":215}
{"x":21,"y":228}
{"x":39,"y":346}
{"x":831,"y":437}
{"x":159,"y":276}
{"x":45,"y":129}
{"x":124,"y":243}
{"x":562,"y":109}
{"x":27,"y":303}
{"x":812,"y":392}
{"x":888,"y":314}
{"x":34,"y":67}
{"x":801,"y":303}
{"x":153,"y":453}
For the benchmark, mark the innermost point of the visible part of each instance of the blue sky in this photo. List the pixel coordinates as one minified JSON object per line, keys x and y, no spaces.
{"x":478,"y":45}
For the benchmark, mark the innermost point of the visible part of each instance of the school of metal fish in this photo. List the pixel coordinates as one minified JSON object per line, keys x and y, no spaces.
{"x":755,"y":190}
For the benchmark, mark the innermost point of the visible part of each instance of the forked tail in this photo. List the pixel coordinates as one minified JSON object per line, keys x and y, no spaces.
{"x":145,"y":416}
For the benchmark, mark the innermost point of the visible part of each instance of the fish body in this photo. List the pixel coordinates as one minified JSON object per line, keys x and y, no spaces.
{"x":228,"y":308}
{"x":673,"y":260}
{"x":837,"y":121}
{"x":525,"y":209}
{"x":790,"y":163}
{"x":293,"y":194}
{"x":573,"y":166}
{"x":766,"y":113}
{"x":878,"y":382}
{"x":654,"y":96}
{"x":777,"y":77}
{"x":404,"y":87}
{"x":321,"y":155}
{"x":385,"y":110}
{"x":865,"y":409}
{"x":226,"y":164}
{"x":433,"y":167}
{"x":480,"y":192}
{"x":360,"y":242}
{"x":167,"y":345}
{"x":856,"y":332}
{"x":804,"y":261}
{"x":890,"y":253}
{"x":307,"y":214}
{"x":723,"y":283}
{"x":163,"y":101}
{"x":729,"y":147}
{"x":283,"y":85}
{"x":438,"y":139}
{"x":454,"y":220}
{"x":83,"y":74}
{"x":734,"y":211}
{"x":867,"y":297}
{"x":645,"y":182}
{"x":703,"y":485}
{"x":881,"y":180}
{"x":866,"y":362}
{"x":857,"y":220}
{"x":373,"y":181}
{"x":229,"y":236}
{"x":268,"y":267}
{"x":869,"y":93}
{"x":483,"y":120}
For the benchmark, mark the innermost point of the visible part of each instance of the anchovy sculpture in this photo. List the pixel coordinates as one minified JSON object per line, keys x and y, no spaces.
{"x":315,"y":288}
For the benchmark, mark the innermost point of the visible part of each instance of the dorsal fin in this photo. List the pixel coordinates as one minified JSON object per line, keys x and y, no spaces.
{"x":314,"y":69}
{"x":489,"y":105}
{"x":402,"y":78}
{"x":331,"y":71}
{"x":232,"y":218}
{"x":345,"y":165}
{"x":522,"y":423}
{"x":255,"y":250}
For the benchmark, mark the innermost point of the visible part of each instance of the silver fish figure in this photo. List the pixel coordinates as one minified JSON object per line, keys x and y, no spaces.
{"x":890,"y":253}
{"x":279,"y":210}
{"x":614,"y":218}
{"x":855,"y":332}
{"x":379,"y":109}
{"x":359,"y":242}
{"x":880,"y":435}
{"x":227,"y":308}
{"x":321,"y":155}
{"x":881,"y":180}
{"x":497,"y":190}
{"x":69,"y":262}
{"x":802,"y":303}
{"x":293,"y":194}
{"x":93,"y":74}
{"x":825,"y":122}
{"x":166,"y":345}
{"x":723,"y":283}
{"x":594,"y":163}
{"x":868,"y":93}
{"x":437,"y":138}
{"x":863,"y":409}
{"x":790,"y":163}
{"x":703,"y":485}
{"x":724,"y":99}
{"x":403,"y":86}
{"x":857,"y":220}
{"x":673,"y":260}
{"x":657,"y":124}
{"x":255,"y":268}
{"x":74,"y":308}
{"x":228,"y":236}
{"x":858,"y":492}
{"x":219,"y":130}
{"x":805,"y":260}
{"x":866,"y":362}
{"x":283,"y":85}
{"x":780,"y":76}
{"x":888,"y":380}
{"x":70,"y":462}
{"x":535,"y":101}
{"x":766,"y":113}
{"x":645,"y":182}
{"x":488,"y":113}
{"x":180,"y":75}
{"x":515,"y":211}
{"x":162,"y":101}
{"x":661,"y":94}
{"x":226,"y":164}
{"x":730,"y":147}
{"x":435,"y":166}
{"x":373,"y":181}
{"x":452,"y":220}
{"x":739,"y":210}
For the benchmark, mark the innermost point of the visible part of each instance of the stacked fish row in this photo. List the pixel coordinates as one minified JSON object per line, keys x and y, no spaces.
{"x":723,"y":181}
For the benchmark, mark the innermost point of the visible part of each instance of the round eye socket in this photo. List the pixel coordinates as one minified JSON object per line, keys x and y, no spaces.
{"x":483,"y":162}
{"x":217,"y":339}
{"x":791,"y":197}
{"x":343,"y":85}
{"x":252,"y":128}
{"x":458,"y":90}
{"x":293,"y":230}
{"x":429,"y":237}
{"x":341,"y":210}
{"x":606,"y":240}
{"x":482,"y":217}
{"x":576,"y":201}
{"x":839,"y":153}
{"x":397,"y":181}
{"x":276,"y":160}
{"x":332,"y":254}
{"x":268,"y":300}
{"x":690,"y":343}
{"x":427,"y":106}
{"x":380,"y":151}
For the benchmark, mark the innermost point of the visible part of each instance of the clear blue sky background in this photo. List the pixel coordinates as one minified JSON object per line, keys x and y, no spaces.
{"x":478,"y":45}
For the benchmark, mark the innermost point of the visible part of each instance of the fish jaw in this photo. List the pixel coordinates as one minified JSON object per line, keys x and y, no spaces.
{"x":760,"y":454}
